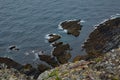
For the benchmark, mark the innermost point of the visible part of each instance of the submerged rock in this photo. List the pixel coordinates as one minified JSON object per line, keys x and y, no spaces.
{"x":53,"y":37}
{"x":72,"y":27}
{"x":105,"y":38}
{"x":14,"y":48}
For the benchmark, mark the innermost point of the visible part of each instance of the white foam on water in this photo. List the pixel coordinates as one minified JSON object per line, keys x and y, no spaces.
{"x":27,"y":53}
{"x":65,"y":30}
{"x":47,"y":36}
{"x":115,"y":16}
{"x":82,"y":21}
{"x":118,"y":14}
{"x":59,"y":26}
{"x":111,"y":17}
{"x":95,"y":26}
{"x":36,"y":55}
{"x":40,"y":53}
{"x":33,"y":51}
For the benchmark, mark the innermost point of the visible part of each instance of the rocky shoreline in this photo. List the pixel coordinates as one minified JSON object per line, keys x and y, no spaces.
{"x":106,"y":67}
{"x":101,"y":62}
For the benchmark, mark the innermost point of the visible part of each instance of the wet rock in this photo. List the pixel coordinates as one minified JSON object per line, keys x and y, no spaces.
{"x":72,"y":27}
{"x":49,"y":59}
{"x":61,"y":49}
{"x":64,"y":58}
{"x":10,"y":63}
{"x":105,"y":38}
{"x":13,"y":47}
{"x":53,"y":37}
{"x":42,"y":67}
{"x":55,"y":44}
{"x":61,"y":52}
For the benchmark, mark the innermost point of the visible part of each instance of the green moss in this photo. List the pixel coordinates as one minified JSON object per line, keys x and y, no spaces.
{"x":115,"y":78}
{"x":98,"y":59}
{"x":55,"y":74}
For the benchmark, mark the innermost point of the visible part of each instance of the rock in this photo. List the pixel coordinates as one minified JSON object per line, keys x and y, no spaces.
{"x":24,"y":69}
{"x":80,"y":57}
{"x":13,"y":47}
{"x":87,"y":70}
{"x":10,"y":63}
{"x":48,"y":59}
{"x":28,"y":70}
{"x":55,"y":44}
{"x":60,"y":49}
{"x":105,"y":38}
{"x":61,"y":52}
{"x":13,"y":74}
{"x":64,"y":58}
{"x":72,"y":27}
{"x":53,"y":37}
{"x":43,"y":67}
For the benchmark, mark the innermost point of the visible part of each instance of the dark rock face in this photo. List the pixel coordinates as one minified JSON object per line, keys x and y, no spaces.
{"x":49,"y":59}
{"x":55,"y":44}
{"x":25,"y":69}
{"x":72,"y":27}
{"x":61,"y":52}
{"x":42,"y":67}
{"x":104,"y":38}
{"x":53,"y":37}
{"x":10,"y":63}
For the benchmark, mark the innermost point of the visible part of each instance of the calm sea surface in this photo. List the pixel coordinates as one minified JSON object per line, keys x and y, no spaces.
{"x":25,"y":23}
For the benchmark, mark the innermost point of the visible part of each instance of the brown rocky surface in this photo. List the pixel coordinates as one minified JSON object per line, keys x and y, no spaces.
{"x":49,"y":59}
{"x":62,"y":53}
{"x":53,"y":37}
{"x":104,"y":38}
{"x":106,"y":67}
{"x":73,"y":27}
{"x":10,"y":63}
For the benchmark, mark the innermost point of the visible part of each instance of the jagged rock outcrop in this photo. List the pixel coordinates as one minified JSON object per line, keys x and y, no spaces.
{"x":106,"y":67}
{"x":104,"y":38}
{"x":73,"y":27}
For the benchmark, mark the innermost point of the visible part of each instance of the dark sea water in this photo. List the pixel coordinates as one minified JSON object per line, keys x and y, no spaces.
{"x":25,"y":23}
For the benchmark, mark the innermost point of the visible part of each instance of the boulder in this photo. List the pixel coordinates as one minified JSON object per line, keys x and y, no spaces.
{"x":49,"y":59}
{"x":53,"y":37}
{"x":73,"y":27}
{"x":10,"y":63}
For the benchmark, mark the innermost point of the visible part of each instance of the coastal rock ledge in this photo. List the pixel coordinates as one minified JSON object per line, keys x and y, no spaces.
{"x":104,"y":38}
{"x":106,"y":67}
